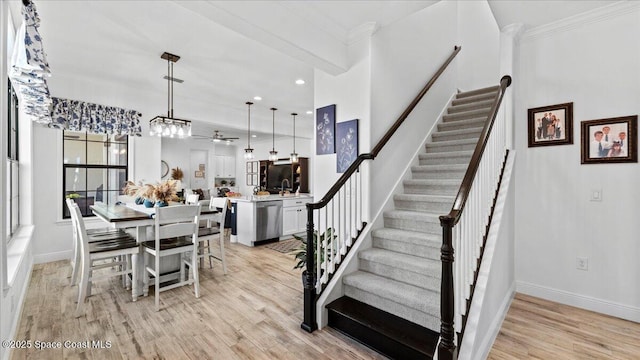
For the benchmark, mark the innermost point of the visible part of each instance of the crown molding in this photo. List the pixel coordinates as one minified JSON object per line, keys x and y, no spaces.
{"x":362,"y":31}
{"x":600,"y":14}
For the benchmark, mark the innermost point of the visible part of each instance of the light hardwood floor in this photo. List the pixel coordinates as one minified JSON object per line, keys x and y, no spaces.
{"x":539,"y":329}
{"x":253,"y":312}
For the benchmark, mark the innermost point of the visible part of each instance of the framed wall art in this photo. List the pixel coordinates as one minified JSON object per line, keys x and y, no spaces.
{"x":551,"y":125}
{"x":325,"y":130}
{"x":613,"y":140}
{"x":346,"y":144}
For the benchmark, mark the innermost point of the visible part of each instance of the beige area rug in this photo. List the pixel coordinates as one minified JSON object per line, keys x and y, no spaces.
{"x":284,"y":246}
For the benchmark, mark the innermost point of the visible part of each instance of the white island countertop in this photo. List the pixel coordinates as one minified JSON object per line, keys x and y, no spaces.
{"x":257,"y":198}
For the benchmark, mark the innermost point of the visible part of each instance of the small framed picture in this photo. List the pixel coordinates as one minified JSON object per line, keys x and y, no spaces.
{"x":551,"y":125}
{"x":325,"y":130}
{"x":199,"y":174}
{"x":612,"y":140}
{"x":346,"y":144}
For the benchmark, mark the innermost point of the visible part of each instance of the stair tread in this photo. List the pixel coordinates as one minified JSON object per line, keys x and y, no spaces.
{"x":446,"y":154}
{"x":423,"y":300}
{"x":422,"y":197}
{"x":469,"y":105}
{"x":414,"y":237}
{"x":402,"y":261}
{"x":436,"y":167}
{"x":400,"y":330}
{"x":412,"y":215}
{"x":431,"y":181}
{"x":473,"y":98}
{"x":452,"y":142}
{"x":466,"y":114}
{"x":458,"y":131}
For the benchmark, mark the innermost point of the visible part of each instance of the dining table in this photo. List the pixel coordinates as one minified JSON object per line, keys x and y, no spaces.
{"x":138,"y":220}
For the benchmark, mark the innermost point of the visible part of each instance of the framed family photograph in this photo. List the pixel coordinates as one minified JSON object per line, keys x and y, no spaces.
{"x":612,"y":140}
{"x":325,"y":130}
{"x":551,"y":125}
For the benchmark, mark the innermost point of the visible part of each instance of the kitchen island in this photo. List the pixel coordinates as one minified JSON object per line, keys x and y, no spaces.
{"x":268,"y":218}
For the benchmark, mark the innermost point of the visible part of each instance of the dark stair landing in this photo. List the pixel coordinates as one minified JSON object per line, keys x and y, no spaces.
{"x":386,"y":333}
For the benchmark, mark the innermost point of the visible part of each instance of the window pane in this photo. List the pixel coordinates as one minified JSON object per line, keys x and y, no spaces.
{"x":75,"y":180}
{"x":83,"y":202}
{"x":111,"y":197}
{"x":97,"y":137}
{"x":96,"y":153}
{"x":117,"y":179}
{"x":96,"y":182}
{"x":74,"y":150}
{"x":117,"y":154}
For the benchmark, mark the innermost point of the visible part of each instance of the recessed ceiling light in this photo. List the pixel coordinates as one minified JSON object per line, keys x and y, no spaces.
{"x":254,"y":135}
{"x":258,"y":98}
{"x":300,"y":82}
{"x":309,"y":112}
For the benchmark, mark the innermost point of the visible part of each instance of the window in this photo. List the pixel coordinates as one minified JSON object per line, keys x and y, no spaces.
{"x":13,"y":174}
{"x":94,"y":169}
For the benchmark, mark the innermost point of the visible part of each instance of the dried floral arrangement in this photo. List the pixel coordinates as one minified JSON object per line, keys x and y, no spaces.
{"x":163,"y":191}
{"x":177,"y":174}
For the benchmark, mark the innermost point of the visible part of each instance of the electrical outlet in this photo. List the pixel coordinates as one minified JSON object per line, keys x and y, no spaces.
{"x":596,"y":195}
{"x":582,"y":263}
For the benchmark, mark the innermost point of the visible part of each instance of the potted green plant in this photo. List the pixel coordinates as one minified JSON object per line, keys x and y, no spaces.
{"x":300,"y":254}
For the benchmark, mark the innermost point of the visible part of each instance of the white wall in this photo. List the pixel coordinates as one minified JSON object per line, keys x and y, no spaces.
{"x":479,"y":36}
{"x":404,"y":56}
{"x":594,"y":65}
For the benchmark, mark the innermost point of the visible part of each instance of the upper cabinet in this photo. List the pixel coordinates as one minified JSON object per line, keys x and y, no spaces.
{"x":225,"y":166}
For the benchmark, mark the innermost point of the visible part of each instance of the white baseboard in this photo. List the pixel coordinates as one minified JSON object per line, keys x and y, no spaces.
{"x":496,"y":324}
{"x":50,"y":257}
{"x":580,"y":301}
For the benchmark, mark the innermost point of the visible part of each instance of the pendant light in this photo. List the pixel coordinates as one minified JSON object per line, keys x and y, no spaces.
{"x":294,"y":155}
{"x":168,"y":125}
{"x":248,"y":152}
{"x":273,"y":154}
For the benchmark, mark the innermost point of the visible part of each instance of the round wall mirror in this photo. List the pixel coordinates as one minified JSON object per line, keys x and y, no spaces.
{"x":165,"y":169}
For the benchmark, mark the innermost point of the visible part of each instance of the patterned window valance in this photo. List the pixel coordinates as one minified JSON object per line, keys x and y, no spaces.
{"x":98,"y":119}
{"x":29,"y":67}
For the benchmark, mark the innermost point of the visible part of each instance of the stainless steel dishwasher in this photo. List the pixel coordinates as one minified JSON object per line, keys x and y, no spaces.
{"x":268,"y":220}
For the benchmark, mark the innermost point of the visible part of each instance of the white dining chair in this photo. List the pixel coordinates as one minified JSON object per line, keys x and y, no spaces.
{"x":192,"y":199}
{"x":208,"y":234}
{"x":119,"y":253}
{"x":94,"y":235}
{"x":175,"y":232}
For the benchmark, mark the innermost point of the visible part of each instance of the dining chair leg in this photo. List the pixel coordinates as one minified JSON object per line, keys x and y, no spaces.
{"x":145,"y":276}
{"x":126,"y":283}
{"x":194,"y":271}
{"x":134,"y":277}
{"x":222,"y":257}
{"x":209,"y":253}
{"x":83,"y":288}
{"x":156,"y":278}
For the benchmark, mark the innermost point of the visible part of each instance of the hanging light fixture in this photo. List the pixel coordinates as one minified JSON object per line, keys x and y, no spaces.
{"x":273,"y":154}
{"x":294,"y":155}
{"x":168,"y":125}
{"x":248,"y":152}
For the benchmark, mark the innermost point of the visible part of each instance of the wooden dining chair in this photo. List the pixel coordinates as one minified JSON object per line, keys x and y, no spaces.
{"x":94,"y":235}
{"x":207,"y":234}
{"x":175,"y":232}
{"x":120,"y":253}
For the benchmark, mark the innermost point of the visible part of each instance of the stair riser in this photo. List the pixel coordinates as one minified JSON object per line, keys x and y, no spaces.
{"x":373,"y":339}
{"x":462,"y":125}
{"x":466,"y":115}
{"x":431,"y":189}
{"x":420,"y":280}
{"x":450,"y":135}
{"x":430,"y":321}
{"x":440,"y":148}
{"x":469,"y":106}
{"x":413,"y":225}
{"x":407,"y":248}
{"x":472,"y":99}
{"x":423,"y":206}
{"x":444,"y":160}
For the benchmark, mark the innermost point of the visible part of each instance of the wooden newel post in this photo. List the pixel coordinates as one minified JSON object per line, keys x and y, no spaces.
{"x":309,"y":323}
{"x":447,"y":348}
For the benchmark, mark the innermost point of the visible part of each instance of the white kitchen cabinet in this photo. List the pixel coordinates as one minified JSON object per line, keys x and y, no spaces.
{"x":225,"y":166}
{"x":294,"y":216}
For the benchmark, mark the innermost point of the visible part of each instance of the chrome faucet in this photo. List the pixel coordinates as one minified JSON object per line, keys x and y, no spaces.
{"x":282,"y":184}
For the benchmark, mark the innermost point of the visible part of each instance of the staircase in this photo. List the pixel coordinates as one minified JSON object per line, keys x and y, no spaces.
{"x":392,"y":303}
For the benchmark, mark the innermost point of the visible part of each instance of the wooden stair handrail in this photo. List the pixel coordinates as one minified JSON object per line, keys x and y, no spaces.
{"x":387,"y":136}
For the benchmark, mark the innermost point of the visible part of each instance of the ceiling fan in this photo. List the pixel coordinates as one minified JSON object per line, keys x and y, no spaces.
{"x":217,"y":137}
